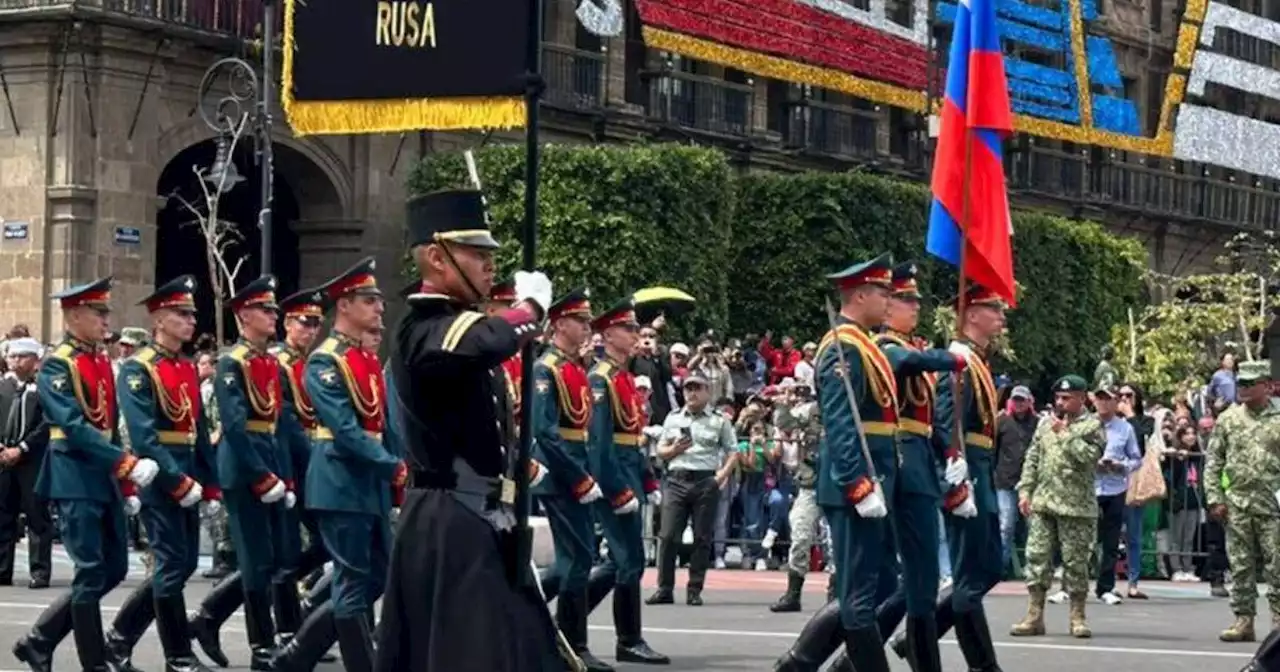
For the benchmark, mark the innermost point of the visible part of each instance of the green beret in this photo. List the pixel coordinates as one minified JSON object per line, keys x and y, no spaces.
{"x":1254,"y":372}
{"x":1070,"y":383}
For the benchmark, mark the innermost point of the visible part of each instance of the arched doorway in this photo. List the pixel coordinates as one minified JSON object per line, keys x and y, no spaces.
{"x":180,"y":246}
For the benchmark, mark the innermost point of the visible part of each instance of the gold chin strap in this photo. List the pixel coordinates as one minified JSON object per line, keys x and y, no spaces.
{"x":480,"y":297}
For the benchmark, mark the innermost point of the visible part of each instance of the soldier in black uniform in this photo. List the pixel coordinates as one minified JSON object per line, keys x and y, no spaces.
{"x":450,"y":603}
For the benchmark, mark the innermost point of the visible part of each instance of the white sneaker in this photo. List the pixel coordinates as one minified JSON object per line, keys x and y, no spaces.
{"x":1180,"y":577}
{"x":769,"y":537}
{"x":761,"y":565}
{"x":1112,"y":599}
{"x":720,"y":563}
{"x":1059,"y":597}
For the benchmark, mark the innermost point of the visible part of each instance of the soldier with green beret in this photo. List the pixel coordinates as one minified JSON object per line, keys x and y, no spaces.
{"x":1243,"y":448}
{"x":1056,"y":493}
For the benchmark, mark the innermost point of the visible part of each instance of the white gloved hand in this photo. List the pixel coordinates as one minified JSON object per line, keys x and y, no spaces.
{"x":957,"y":471}
{"x":630,"y":507}
{"x":290,"y":499}
{"x":534,"y":286}
{"x":144,"y":472}
{"x":968,"y":508}
{"x":539,"y":473}
{"x":872,"y":506}
{"x":275,"y":494}
{"x":960,"y":349}
{"x":212,"y":508}
{"x":132,"y":505}
{"x":192,"y":497}
{"x":592,"y":495}
{"x":655,"y":498}
{"x":652,"y":431}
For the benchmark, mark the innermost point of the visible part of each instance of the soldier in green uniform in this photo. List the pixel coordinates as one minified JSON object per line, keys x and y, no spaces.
{"x":81,"y":477}
{"x":1056,"y":493}
{"x":859,"y":455}
{"x":618,"y":461}
{"x":160,"y":402}
{"x":561,"y":412}
{"x":250,"y":468}
{"x":804,"y":424}
{"x":1243,"y":448}
{"x":972,"y":517}
{"x":351,"y":476}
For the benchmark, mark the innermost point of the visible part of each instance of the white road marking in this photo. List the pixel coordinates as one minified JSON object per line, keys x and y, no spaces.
{"x":1002,"y":644}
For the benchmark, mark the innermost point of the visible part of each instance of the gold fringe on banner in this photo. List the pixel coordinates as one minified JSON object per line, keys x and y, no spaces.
{"x":388,"y":116}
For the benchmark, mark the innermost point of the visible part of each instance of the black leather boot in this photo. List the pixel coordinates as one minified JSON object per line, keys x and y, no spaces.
{"x":974,"y":637}
{"x":819,"y":638}
{"x":599,"y":585}
{"x":922,"y":644}
{"x":51,"y":627}
{"x":130,"y":623}
{"x":631,"y":646}
{"x":571,"y":618}
{"x":224,"y":564}
{"x":888,"y":615}
{"x":866,"y":649}
{"x":1267,"y":659}
{"x":310,"y":646}
{"x":355,"y":643}
{"x":91,"y":648}
{"x":260,"y":630}
{"x":175,"y":637}
{"x":943,"y":618}
{"x":288,"y":610}
{"x":790,"y":600}
{"x":221,"y":602}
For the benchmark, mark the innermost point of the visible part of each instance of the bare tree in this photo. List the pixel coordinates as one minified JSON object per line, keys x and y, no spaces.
{"x":220,"y":236}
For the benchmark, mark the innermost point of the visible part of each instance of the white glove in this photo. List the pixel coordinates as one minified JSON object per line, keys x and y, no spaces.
{"x":652,"y":431}
{"x":275,"y":494}
{"x":630,"y":507}
{"x":144,"y":472}
{"x":132,"y":505}
{"x":192,"y":497}
{"x":290,"y":499}
{"x":533,"y":286}
{"x":592,"y":495}
{"x":539,"y":474}
{"x":211,"y":508}
{"x":957,"y":470}
{"x":655,"y":498}
{"x":872,"y":506}
{"x":967,"y":509}
{"x":960,"y":349}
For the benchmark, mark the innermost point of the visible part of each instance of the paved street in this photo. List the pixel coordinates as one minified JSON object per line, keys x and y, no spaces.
{"x":1173,"y":632}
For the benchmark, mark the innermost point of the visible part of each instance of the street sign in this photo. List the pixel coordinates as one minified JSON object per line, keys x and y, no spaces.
{"x":16,"y":230}
{"x":127,"y":235}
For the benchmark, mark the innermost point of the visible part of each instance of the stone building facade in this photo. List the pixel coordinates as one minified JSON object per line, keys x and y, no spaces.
{"x":101,"y":100}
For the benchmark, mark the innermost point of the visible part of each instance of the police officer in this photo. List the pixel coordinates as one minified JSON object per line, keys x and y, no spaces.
{"x":562,"y":411}
{"x":303,"y":313}
{"x":850,"y":491}
{"x":619,"y":462}
{"x":159,"y":395}
{"x":81,"y":476}
{"x":351,"y":475}
{"x":1056,"y":494}
{"x":969,"y":503}
{"x":251,"y":468}
{"x":1242,"y":449}
{"x":457,"y":520}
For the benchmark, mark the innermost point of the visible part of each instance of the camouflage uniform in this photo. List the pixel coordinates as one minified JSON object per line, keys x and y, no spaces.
{"x":1245,"y":448}
{"x":1057,"y":478}
{"x":805,"y":514}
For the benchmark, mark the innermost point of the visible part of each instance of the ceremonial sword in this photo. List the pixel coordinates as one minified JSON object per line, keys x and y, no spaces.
{"x":848,"y":393}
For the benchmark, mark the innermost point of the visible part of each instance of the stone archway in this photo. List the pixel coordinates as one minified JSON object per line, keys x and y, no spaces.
{"x":304,"y":190}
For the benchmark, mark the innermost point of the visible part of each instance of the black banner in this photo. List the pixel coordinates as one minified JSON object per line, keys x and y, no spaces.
{"x":389,"y":49}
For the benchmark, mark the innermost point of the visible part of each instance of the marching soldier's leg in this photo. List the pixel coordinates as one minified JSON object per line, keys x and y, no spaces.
{"x":859,"y":545}
{"x":175,"y":537}
{"x":1267,"y":659}
{"x":284,"y":582}
{"x":319,"y":593}
{"x":251,"y":534}
{"x":600,"y":583}
{"x":131,"y":622}
{"x":573,"y":534}
{"x":975,"y":573}
{"x":549,"y":581}
{"x":90,"y":531}
{"x":312,"y":642}
{"x":35,"y":649}
{"x":626,"y":549}
{"x":349,"y":539}
{"x":917,"y":536}
{"x":223,"y":554}
{"x":216,"y":607}
{"x":819,"y":638}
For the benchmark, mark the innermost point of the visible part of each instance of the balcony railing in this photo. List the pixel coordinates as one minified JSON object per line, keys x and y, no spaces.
{"x":836,"y":130}
{"x":1187,"y":193}
{"x":576,"y":79}
{"x":699,"y":103}
{"x":224,"y":18}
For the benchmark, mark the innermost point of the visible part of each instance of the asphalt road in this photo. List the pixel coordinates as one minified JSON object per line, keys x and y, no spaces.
{"x":1175,"y":631}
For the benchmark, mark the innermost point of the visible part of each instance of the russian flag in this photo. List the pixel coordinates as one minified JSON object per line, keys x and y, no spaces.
{"x":975,"y":110}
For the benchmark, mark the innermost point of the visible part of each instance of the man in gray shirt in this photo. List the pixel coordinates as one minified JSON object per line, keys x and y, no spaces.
{"x":698,"y":445}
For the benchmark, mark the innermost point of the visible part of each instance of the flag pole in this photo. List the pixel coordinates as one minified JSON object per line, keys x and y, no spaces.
{"x":957,"y":379}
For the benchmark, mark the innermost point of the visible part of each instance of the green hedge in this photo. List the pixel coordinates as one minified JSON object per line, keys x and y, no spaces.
{"x":612,"y":219}
{"x":753,"y":248}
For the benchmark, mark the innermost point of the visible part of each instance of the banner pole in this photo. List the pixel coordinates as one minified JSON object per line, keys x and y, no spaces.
{"x":957,"y":379}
